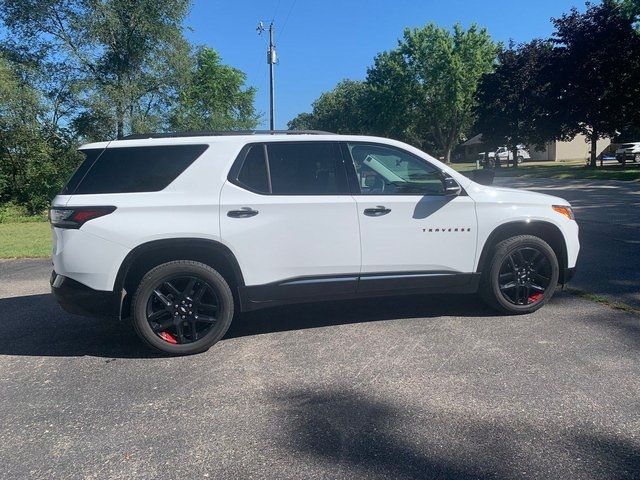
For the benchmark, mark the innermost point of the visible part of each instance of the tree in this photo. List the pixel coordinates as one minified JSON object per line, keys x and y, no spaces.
{"x":429,"y":82}
{"x":341,"y":110}
{"x":302,"y":121}
{"x":513,"y":102}
{"x":213,"y":97}
{"x":394,"y":109}
{"x":127,"y":55}
{"x":598,"y":90}
{"x":34,"y":158}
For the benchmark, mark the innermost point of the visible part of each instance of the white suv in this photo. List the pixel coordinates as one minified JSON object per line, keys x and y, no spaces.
{"x":178,"y":232}
{"x":628,"y":151}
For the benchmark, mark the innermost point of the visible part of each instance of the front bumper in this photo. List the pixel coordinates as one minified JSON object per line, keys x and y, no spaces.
{"x":79,"y":299}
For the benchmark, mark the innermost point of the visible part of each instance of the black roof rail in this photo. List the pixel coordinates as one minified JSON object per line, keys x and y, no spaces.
{"x":219,"y":133}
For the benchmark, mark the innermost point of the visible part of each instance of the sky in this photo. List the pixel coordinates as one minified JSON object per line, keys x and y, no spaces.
{"x":320,"y":43}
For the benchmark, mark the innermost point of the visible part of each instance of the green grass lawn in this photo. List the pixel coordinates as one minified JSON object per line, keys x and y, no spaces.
{"x":563,"y":170}
{"x":23,"y":240}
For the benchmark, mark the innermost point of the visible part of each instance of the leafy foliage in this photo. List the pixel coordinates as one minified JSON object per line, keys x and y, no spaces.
{"x":127,"y":55}
{"x":213,"y":97}
{"x":422,"y":92}
{"x":342,"y":110}
{"x":34,"y":159}
{"x":597,"y":91}
{"x":513,"y":101}
{"x":444,"y":68}
{"x":74,"y":71}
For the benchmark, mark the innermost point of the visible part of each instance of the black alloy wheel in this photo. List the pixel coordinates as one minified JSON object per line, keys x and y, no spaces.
{"x":524,"y":276}
{"x":520,"y":276}
{"x":182,"y":307}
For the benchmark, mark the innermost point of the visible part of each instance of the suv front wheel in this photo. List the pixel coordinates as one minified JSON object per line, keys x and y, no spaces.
{"x":521,"y":276}
{"x":182,"y":307}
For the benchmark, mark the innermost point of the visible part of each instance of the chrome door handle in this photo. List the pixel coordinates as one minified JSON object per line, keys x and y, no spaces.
{"x":377,"y":211}
{"x":244,"y":212}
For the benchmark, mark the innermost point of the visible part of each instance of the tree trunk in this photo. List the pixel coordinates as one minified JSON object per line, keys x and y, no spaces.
{"x":514,"y":152}
{"x":594,"y":146}
{"x":447,"y":154}
{"x":119,"y":122}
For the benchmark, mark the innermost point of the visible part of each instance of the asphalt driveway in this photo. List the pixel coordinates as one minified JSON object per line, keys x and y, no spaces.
{"x":429,"y":387}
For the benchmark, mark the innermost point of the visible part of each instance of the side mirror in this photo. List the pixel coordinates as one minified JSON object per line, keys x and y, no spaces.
{"x":451,"y":187}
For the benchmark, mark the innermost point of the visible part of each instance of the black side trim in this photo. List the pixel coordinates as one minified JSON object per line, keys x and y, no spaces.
{"x":296,"y":288}
{"x":79,"y":299}
{"x":327,"y":288}
{"x":435,"y":280}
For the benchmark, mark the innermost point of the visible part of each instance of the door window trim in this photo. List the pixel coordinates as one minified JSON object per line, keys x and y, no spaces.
{"x":236,"y":168}
{"x":353,"y":175}
{"x":238,"y":164}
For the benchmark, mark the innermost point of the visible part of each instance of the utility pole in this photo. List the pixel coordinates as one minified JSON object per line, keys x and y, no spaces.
{"x":271,"y":60}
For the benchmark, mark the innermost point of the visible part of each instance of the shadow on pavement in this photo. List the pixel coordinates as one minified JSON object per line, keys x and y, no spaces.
{"x":313,"y":315}
{"x":35,"y":325}
{"x":354,"y":432}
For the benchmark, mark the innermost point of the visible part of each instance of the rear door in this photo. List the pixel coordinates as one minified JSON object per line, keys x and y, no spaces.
{"x":287,"y":214}
{"x":412,"y":234}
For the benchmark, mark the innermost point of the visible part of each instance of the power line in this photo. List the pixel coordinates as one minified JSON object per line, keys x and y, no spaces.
{"x":284,"y":25}
{"x":275,"y":13}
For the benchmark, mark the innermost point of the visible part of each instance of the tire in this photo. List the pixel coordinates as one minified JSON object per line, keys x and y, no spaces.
{"x":520,"y":159}
{"x":636,"y":158}
{"x":204,"y":323}
{"x":506,"y":266}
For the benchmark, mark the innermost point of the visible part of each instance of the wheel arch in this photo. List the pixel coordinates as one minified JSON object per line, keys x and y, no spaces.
{"x":150,"y":254}
{"x":546,"y":231}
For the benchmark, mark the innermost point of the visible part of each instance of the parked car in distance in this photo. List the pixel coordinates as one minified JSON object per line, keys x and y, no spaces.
{"x":504,"y":154}
{"x":628,"y":151}
{"x":178,"y":232}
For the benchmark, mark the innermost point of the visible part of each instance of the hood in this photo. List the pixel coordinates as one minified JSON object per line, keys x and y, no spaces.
{"x":520,"y":196}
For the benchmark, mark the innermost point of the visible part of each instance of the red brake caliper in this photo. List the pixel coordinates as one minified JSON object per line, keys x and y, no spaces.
{"x":167,"y":337}
{"x":535,"y":297}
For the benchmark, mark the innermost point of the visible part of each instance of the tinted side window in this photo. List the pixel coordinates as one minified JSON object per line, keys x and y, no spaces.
{"x":253,"y":173}
{"x":90,"y":156}
{"x":383,"y":170}
{"x":138,"y":169}
{"x":311,"y":168}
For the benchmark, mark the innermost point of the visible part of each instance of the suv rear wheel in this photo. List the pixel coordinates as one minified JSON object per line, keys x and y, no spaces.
{"x":521,"y":276}
{"x":182,"y":307}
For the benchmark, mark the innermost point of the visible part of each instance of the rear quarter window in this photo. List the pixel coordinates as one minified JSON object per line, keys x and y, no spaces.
{"x":132,"y":169}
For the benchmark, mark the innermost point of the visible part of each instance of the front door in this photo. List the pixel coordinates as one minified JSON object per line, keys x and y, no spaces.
{"x":289,"y":218}
{"x":412,"y":233}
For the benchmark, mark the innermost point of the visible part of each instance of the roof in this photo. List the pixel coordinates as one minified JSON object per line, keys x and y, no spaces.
{"x":222,"y":133}
{"x":477,"y":140}
{"x":166,"y":138}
